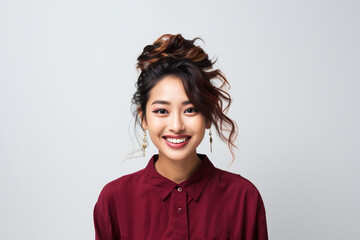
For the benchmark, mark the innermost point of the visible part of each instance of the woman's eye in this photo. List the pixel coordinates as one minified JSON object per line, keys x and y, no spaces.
{"x":161,"y":111}
{"x":191,"y":110}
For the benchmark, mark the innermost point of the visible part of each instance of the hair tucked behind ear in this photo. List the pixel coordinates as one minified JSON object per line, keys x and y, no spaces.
{"x":174,"y":55}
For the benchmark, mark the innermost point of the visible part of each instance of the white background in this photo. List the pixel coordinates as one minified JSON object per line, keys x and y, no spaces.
{"x":67,"y":75}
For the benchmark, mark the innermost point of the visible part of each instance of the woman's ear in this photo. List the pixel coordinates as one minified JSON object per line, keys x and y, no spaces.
{"x":208,"y":124}
{"x":142,"y":118}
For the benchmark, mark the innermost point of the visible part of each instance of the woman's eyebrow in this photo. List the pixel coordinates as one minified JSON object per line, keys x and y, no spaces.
{"x":168,"y":103}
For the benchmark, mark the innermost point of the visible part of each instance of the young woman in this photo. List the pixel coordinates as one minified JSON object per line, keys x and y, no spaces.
{"x":180,"y":194}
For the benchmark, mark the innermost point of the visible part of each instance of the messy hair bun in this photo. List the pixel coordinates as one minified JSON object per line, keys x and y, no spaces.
{"x":175,"y":55}
{"x":176,"y":47}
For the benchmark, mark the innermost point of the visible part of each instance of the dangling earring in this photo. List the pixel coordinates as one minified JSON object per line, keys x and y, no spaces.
{"x":211,"y":140}
{"x":144,"y":144}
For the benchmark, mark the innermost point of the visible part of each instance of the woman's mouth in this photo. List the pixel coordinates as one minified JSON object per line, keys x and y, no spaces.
{"x":176,"y":141}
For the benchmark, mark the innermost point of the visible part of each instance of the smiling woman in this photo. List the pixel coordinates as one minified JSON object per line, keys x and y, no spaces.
{"x":180,"y":194}
{"x":175,"y":126}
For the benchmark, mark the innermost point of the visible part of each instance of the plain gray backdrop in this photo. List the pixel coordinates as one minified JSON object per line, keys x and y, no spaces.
{"x":67,"y":75}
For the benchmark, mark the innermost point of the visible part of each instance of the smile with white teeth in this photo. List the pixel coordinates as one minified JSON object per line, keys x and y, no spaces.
{"x":176,"y":140}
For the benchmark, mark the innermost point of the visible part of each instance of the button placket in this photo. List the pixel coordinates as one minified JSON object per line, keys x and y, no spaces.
{"x":180,"y":209}
{"x":180,"y":230}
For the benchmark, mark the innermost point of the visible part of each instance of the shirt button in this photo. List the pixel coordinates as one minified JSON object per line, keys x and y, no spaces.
{"x":180,"y":210}
{"x":180,"y":189}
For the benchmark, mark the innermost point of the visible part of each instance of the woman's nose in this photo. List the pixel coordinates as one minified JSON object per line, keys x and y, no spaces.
{"x":176,"y":123}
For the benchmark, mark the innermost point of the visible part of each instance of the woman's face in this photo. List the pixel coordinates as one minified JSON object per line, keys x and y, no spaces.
{"x":175,"y":127}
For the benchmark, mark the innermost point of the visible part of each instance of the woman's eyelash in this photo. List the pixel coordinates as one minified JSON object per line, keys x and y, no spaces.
{"x":191,"y":110}
{"x":161,"y":111}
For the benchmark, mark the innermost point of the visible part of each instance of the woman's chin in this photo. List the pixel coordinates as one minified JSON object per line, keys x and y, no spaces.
{"x":177,"y":155}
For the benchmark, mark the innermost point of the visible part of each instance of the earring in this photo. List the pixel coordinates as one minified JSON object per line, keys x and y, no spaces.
{"x":144,"y":144}
{"x":211,"y":140}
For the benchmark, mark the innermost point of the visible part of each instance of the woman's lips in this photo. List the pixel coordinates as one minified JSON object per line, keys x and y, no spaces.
{"x":176,"y":141}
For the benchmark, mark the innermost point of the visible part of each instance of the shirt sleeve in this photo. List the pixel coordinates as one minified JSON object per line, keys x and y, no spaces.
{"x":261,"y":228}
{"x":105,"y":217}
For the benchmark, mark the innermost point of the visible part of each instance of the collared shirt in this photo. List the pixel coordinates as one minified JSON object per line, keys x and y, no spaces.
{"x":211,"y":204}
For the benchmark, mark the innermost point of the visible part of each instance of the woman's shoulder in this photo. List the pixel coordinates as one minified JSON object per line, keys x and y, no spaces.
{"x":122,"y":184}
{"x":235,"y":182}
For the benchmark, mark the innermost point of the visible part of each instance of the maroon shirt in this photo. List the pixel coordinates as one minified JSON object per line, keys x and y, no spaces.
{"x":211,"y":204}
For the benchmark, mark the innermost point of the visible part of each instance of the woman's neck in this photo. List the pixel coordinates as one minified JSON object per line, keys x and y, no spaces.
{"x":177,"y":170}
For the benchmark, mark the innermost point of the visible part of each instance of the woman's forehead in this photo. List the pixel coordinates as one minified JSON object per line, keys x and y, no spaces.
{"x":169,"y":89}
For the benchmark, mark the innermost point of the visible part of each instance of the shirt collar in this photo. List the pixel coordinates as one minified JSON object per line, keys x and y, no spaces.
{"x":193,"y":186}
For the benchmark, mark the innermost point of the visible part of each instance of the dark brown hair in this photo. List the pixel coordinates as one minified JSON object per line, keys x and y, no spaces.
{"x":174,"y":55}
